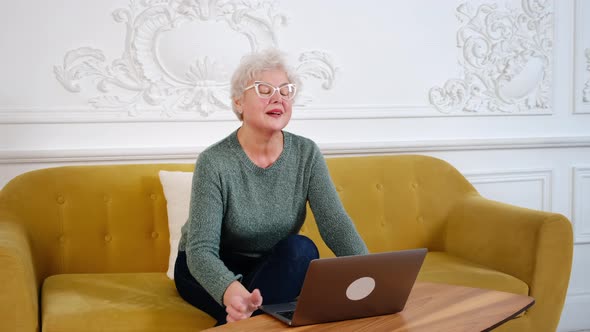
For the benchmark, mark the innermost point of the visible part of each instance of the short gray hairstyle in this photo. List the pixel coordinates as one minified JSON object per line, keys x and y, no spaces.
{"x":252,"y":65}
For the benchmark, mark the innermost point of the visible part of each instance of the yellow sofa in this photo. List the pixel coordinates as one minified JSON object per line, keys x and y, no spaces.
{"x":85,"y":248}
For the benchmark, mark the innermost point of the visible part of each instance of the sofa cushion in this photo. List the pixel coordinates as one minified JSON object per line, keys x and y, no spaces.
{"x":117,"y":302}
{"x":177,"y":190}
{"x":444,"y":268}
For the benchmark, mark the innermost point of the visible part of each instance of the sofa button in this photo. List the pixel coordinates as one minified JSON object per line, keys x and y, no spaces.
{"x":155,"y":235}
{"x":338,"y":188}
{"x":107,"y":199}
{"x":153,"y":197}
{"x":62,"y":239}
{"x":415,"y":185}
{"x":108,"y":238}
{"x":420,"y":219}
{"x":60,"y":199}
{"x":379,"y":186}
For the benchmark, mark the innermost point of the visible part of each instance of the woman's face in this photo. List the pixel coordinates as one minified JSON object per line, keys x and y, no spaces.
{"x":267,"y":115}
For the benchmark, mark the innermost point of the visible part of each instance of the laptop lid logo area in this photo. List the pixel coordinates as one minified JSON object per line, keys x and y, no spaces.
{"x":349,"y":287}
{"x":360,"y":288}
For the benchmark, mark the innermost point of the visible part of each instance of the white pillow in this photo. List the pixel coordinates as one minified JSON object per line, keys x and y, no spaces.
{"x":177,"y":190}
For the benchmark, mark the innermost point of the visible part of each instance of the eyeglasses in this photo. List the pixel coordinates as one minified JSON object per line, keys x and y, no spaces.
{"x":266,"y":90}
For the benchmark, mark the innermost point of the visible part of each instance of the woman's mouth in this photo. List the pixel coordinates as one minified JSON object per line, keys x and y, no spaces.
{"x":275,"y":113}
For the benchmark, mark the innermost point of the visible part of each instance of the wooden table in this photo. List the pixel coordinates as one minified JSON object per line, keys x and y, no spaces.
{"x":431,"y":307}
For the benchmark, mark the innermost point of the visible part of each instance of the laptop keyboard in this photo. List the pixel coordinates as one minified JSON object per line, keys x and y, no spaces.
{"x":286,"y":314}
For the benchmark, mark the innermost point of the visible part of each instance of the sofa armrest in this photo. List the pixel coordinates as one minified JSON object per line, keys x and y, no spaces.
{"x":19,"y":303}
{"x":534,"y":246}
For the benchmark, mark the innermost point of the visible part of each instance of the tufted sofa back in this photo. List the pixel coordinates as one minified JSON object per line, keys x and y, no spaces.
{"x":112,"y":218}
{"x":107,"y":218}
{"x":396,"y":202}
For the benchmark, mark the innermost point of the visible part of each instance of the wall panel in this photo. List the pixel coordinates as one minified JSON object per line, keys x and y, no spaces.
{"x":582,"y":64}
{"x":581,"y":208}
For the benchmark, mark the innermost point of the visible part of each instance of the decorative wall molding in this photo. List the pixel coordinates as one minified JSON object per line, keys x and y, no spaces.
{"x":66,"y":114}
{"x":144,"y":85}
{"x":542,"y":176}
{"x":582,"y":57}
{"x":189,"y":153}
{"x":506,"y":55}
{"x":140,"y":81}
{"x":586,"y":90}
{"x":579,"y":294}
{"x":580,"y":208}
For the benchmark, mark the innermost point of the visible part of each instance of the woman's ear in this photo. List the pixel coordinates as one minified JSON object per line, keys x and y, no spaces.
{"x":238,"y":103}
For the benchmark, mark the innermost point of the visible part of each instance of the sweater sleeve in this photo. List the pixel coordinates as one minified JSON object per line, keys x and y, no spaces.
{"x":334,"y":224}
{"x":204,"y":230}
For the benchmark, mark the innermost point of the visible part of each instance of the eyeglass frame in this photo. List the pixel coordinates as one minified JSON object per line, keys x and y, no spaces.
{"x":275,"y":89}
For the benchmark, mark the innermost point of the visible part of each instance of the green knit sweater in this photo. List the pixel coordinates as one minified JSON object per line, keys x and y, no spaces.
{"x":237,"y":206}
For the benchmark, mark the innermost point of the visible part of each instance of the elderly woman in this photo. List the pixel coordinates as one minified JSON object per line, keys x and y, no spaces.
{"x":248,"y":203}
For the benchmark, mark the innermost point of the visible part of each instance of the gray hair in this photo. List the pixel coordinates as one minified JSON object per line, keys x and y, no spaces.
{"x":251,"y":66}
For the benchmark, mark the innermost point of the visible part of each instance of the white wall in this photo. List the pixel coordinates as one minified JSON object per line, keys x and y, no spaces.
{"x":501,"y":89}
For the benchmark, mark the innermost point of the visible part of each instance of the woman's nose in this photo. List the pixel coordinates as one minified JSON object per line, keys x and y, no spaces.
{"x":276,"y":97}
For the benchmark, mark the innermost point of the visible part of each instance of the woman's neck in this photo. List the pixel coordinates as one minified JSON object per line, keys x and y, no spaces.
{"x":262,"y":149}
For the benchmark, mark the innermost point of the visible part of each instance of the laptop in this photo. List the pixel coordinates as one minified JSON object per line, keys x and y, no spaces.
{"x":352,"y":287}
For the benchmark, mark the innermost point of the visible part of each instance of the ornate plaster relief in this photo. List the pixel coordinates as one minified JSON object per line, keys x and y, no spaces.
{"x":506,"y":56}
{"x":141,"y":79}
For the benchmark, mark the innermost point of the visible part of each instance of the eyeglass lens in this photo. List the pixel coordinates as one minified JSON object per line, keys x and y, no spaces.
{"x":265,"y":90}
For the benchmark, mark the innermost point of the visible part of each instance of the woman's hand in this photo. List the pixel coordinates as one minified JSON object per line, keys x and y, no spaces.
{"x":239,"y":302}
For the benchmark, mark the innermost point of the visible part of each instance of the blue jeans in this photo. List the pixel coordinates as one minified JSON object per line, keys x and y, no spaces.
{"x":278,"y":275}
